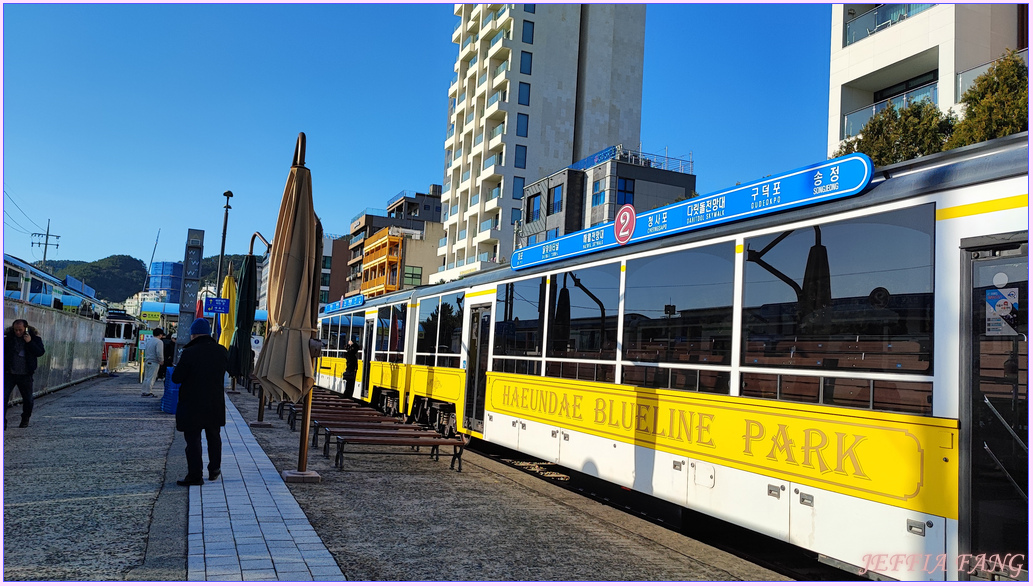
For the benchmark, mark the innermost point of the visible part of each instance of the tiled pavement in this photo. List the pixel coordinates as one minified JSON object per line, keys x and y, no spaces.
{"x":246,"y":526}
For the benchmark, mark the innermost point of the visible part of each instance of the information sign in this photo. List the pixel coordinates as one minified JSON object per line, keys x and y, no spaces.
{"x":150,"y":315}
{"x":346,"y":303}
{"x":830,"y":180}
{"x":217,"y":305}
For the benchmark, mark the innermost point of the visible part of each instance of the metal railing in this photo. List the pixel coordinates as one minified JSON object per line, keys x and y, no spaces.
{"x":878,"y":19}
{"x":966,"y":79}
{"x":369,"y":212}
{"x":401,"y":195}
{"x":499,"y":96}
{"x":855,"y":121}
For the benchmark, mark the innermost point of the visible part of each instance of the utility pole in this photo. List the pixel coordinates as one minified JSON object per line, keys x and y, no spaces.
{"x":46,"y":242}
{"x":222,"y":250}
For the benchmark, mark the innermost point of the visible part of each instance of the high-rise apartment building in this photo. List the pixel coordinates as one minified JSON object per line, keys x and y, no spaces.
{"x":536,"y":87}
{"x":900,"y":53}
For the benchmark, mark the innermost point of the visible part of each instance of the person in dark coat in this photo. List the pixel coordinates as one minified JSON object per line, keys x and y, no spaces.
{"x":200,"y":376}
{"x":351,"y":367}
{"x":22,"y":346}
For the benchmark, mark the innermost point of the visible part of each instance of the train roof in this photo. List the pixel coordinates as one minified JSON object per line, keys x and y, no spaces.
{"x":971,"y":165}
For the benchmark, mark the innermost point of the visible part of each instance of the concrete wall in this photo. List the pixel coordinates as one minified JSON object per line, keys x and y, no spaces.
{"x":73,"y":344}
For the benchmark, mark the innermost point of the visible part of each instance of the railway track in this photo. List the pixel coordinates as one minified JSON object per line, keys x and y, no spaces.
{"x":786,"y":559}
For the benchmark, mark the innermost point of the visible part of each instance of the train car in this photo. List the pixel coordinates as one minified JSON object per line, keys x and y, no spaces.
{"x":120,"y":332}
{"x":843,"y":367}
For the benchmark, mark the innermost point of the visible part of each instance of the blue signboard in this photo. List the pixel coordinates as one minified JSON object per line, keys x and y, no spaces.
{"x":217,"y":305}
{"x":834,"y":179}
{"x":348,"y":303}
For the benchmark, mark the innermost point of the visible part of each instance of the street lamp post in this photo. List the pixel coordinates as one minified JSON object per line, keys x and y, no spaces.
{"x":222,"y":250}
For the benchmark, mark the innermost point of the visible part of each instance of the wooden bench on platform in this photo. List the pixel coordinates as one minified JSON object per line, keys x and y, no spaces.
{"x":435,"y":444}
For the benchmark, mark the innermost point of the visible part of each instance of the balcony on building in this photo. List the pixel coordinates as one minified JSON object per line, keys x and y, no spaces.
{"x":855,"y":121}
{"x":501,"y":45}
{"x":863,"y":25}
{"x":966,"y":79}
{"x":498,"y":75}
{"x":495,"y":137}
{"x":457,"y":32}
{"x":495,"y":109}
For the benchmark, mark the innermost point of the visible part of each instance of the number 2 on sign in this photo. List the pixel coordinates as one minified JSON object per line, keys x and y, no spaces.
{"x":624,"y":225}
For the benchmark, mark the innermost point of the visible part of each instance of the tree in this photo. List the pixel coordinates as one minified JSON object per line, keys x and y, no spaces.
{"x":115,"y":278}
{"x":893,"y":135}
{"x":997,"y":104}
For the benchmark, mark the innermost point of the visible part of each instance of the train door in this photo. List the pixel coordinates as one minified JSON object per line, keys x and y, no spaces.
{"x":994,"y":405}
{"x":477,"y":367}
{"x":367,"y":354}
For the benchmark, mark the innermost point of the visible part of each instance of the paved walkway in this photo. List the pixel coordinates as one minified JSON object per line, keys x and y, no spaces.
{"x":246,"y":525}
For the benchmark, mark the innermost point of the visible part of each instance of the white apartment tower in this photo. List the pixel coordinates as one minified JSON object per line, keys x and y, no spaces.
{"x":901,"y":53}
{"x":536,"y":88}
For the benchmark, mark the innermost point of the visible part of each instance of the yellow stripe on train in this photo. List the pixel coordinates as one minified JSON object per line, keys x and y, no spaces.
{"x":983,"y":207}
{"x":900,"y":460}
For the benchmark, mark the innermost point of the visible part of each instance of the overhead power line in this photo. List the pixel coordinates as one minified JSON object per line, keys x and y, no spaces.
{"x":12,"y":228}
{"x":10,"y":217}
{"x":21,"y":210}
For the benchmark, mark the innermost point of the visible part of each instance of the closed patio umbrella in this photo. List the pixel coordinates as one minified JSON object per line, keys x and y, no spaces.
{"x":227,"y":321}
{"x":241,"y":359}
{"x":285,"y":365}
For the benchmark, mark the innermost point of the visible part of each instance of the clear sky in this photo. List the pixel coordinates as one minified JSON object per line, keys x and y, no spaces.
{"x":120,"y":119}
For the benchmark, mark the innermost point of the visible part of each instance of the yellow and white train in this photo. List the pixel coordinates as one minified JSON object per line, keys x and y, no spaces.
{"x":848,"y":376}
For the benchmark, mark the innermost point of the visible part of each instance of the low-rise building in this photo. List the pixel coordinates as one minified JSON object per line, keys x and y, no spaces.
{"x":591,"y":191}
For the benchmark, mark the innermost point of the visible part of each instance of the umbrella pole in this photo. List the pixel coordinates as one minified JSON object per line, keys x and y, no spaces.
{"x":261,"y":408}
{"x":301,"y":474}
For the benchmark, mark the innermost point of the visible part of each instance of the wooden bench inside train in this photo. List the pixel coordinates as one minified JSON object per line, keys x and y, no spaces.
{"x":354,"y":423}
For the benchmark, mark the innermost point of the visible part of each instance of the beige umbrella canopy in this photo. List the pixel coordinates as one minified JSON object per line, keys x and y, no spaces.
{"x":285,"y":366}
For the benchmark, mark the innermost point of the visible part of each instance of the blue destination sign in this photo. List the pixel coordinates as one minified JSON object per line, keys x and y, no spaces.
{"x":347,"y":303}
{"x":834,"y":179}
{"x":217,"y":305}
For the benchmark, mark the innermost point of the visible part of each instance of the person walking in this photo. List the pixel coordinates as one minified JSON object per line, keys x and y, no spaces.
{"x":22,"y":346}
{"x":153,"y":355}
{"x":351,"y":367}
{"x":202,"y":406}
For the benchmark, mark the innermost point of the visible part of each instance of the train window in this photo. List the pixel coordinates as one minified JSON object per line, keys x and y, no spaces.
{"x":906,"y":397}
{"x":333,"y":336}
{"x":583,"y":313}
{"x":855,"y":294}
{"x":382,"y":331}
{"x":515,"y":366}
{"x":681,"y":316}
{"x":396,"y":341}
{"x":680,"y":379}
{"x":519,"y":318}
{"x":356,"y":332}
{"x":847,"y":392}
{"x":427,"y":331}
{"x":577,"y":370}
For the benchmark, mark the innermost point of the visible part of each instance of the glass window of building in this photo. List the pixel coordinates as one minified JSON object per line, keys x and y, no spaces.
{"x":529,"y":8}
{"x":552,"y":234}
{"x":520,"y":157}
{"x":522,"y":125}
{"x":598,"y":193}
{"x":625,"y":191}
{"x":556,"y":199}
{"x":326,"y":262}
{"x":518,"y":187}
{"x":528,"y":32}
{"x":534,"y":208}
{"x":514,"y":216}
{"x":532,"y":239}
{"x":413,"y":276}
{"x":525,"y":63}
{"x":524,"y":94}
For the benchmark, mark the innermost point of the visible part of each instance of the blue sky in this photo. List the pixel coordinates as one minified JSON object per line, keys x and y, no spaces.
{"x":123,"y":119}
